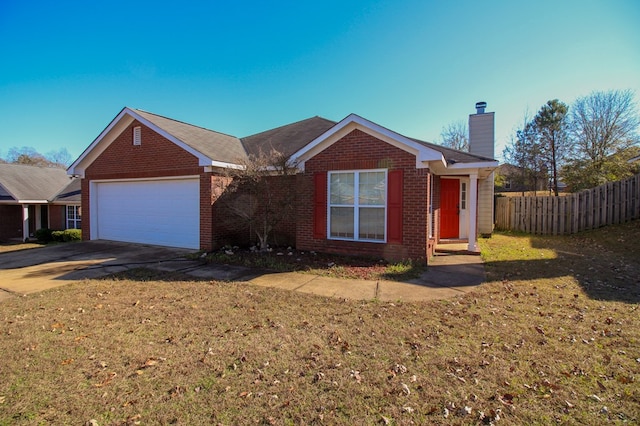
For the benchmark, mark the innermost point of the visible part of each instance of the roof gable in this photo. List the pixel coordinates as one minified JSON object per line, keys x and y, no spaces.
{"x":211,"y":148}
{"x":23,"y":183}
{"x":422,"y":152}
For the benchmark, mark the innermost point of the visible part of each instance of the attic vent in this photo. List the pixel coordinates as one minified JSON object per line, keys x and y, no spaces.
{"x":137,"y":135}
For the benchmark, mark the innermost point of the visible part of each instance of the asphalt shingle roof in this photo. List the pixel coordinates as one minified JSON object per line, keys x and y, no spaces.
{"x":453,"y":156}
{"x":70,"y":193}
{"x":19,"y":182}
{"x":214,"y":145}
{"x":287,"y":139}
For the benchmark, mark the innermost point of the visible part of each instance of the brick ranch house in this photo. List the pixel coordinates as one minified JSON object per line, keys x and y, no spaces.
{"x":33,"y":197}
{"x":360,"y":188}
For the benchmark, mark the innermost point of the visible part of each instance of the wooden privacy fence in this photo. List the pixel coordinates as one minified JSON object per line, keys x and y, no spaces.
{"x":613,"y":202}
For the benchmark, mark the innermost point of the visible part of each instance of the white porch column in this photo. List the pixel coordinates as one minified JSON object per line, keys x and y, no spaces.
{"x":473,"y":212}
{"x":25,"y":222}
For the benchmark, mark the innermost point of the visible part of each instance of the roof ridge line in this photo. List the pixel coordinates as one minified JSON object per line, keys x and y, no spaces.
{"x":184,"y":122}
{"x":288,"y":124}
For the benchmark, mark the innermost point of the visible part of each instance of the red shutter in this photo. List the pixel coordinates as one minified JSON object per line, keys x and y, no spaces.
{"x":320,"y":205}
{"x":394,"y":207}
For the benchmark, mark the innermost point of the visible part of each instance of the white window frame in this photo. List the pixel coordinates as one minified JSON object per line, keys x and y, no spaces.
{"x":356,"y":205}
{"x":76,"y":219}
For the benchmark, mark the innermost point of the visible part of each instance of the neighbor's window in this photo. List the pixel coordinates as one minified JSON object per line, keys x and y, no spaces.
{"x":137,"y":135}
{"x":73,"y":217}
{"x":357,"y":205}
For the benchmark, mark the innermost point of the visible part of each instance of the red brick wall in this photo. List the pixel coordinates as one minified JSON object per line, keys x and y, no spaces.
{"x":11,"y":222}
{"x":86,"y":209}
{"x":57,"y":217}
{"x":155,"y":157}
{"x":206,"y":211}
{"x":356,"y":151}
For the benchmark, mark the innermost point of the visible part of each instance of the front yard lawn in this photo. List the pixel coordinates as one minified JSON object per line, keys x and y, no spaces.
{"x":553,"y":337}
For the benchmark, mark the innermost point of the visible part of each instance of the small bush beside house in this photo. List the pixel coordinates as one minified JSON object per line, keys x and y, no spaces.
{"x":46,"y":235}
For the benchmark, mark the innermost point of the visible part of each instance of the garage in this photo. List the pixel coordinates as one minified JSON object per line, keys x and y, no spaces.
{"x":163,"y":212}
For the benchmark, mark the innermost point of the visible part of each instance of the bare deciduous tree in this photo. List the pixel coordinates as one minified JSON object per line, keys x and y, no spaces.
{"x":29,"y":156}
{"x":456,"y":136}
{"x":61,"y":157}
{"x":604,"y":123}
{"x":253,"y":195}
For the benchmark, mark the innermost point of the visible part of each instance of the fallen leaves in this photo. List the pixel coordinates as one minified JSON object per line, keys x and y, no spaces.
{"x":112,"y":375}
{"x":355,"y":375}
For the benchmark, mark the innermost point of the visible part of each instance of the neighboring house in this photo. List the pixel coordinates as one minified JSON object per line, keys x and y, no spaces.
{"x":35,"y":197}
{"x":516,"y":179}
{"x":360,"y":188}
{"x":65,"y":210}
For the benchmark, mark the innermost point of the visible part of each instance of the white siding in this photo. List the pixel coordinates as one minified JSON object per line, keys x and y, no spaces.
{"x":485,"y":205}
{"x":481,"y":134}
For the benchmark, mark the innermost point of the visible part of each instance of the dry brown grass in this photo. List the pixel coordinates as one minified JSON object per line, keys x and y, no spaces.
{"x":7,"y":247}
{"x":554,"y":337}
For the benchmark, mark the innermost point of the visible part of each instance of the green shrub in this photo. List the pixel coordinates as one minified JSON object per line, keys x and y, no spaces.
{"x":67,"y":235}
{"x":73,"y":234}
{"x":44,"y":235}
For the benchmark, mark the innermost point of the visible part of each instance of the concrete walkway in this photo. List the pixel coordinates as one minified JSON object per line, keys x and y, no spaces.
{"x":449,"y":273}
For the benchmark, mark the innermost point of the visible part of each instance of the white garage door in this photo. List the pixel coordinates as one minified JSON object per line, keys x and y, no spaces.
{"x":159,"y":212}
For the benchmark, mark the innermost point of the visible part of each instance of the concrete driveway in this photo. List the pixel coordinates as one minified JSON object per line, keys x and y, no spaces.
{"x":34,"y":270}
{"x":29,"y":271}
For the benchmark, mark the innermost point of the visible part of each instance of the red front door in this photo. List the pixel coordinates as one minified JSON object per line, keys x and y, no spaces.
{"x":450,"y":208}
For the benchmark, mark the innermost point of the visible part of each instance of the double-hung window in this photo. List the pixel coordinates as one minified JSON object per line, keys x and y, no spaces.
{"x":73,"y":217}
{"x":358,"y":205}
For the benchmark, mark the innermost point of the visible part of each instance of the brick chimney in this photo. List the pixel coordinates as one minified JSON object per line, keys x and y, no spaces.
{"x":481,"y":132}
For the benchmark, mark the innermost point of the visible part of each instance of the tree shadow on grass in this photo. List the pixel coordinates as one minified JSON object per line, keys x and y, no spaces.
{"x":146,"y":274}
{"x":605,"y":262}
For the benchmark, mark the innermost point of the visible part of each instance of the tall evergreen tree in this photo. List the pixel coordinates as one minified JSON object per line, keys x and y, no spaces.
{"x":524,"y":153}
{"x":550,"y":126}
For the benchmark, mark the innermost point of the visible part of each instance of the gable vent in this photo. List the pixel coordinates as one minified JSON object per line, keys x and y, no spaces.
{"x":137,"y":135}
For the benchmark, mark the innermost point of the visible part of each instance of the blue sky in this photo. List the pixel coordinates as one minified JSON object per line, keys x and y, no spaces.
{"x":240,"y":67}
